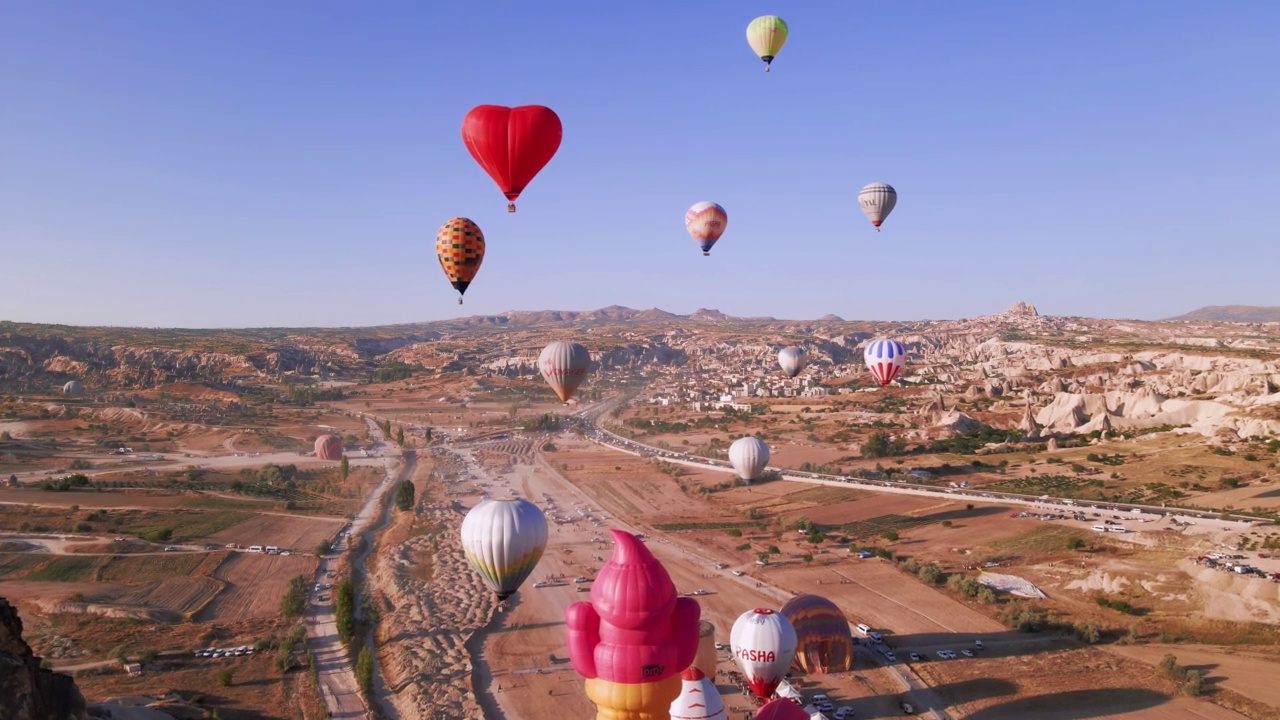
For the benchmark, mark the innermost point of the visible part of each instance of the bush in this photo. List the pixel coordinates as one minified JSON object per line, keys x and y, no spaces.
{"x":879,"y":444}
{"x":1169,"y":666}
{"x":364,"y":670}
{"x":224,"y":677}
{"x":1075,"y":543}
{"x":946,"y":523}
{"x":324,"y":548}
{"x":1088,"y":633}
{"x":1194,"y":685}
{"x":735,"y":532}
{"x":890,"y":535}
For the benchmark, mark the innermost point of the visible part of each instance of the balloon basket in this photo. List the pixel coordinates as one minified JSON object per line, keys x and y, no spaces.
{"x":511,"y":207}
{"x":706,"y":254}
{"x":459,"y":301}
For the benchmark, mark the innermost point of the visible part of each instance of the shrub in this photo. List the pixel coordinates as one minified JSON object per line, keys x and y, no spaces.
{"x":224,"y":677}
{"x":890,"y":535}
{"x":1169,"y":666}
{"x":1194,"y":685}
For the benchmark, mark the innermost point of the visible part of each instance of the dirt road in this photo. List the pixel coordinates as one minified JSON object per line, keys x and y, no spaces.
{"x":334,"y":668}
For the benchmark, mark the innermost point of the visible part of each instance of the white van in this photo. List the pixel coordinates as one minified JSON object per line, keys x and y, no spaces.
{"x":272,"y":550}
{"x":255,"y":548}
{"x":864,"y":628}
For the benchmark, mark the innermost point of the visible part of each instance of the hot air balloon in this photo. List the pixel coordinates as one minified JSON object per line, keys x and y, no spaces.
{"x":823,"y":641}
{"x":329,"y":447}
{"x":564,"y":366}
{"x":512,"y":144}
{"x":793,"y":359}
{"x":706,"y":222}
{"x":699,"y":699}
{"x":877,"y":201}
{"x":503,"y":539}
{"x":633,"y":639}
{"x":460,"y":248}
{"x":766,"y":35}
{"x":73,"y":388}
{"x":781,"y":709}
{"x":885,"y":359}
{"x":764,"y":643}
{"x":749,"y":455}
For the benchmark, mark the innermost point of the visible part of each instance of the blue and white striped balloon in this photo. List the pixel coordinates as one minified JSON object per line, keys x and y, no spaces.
{"x":885,"y":359}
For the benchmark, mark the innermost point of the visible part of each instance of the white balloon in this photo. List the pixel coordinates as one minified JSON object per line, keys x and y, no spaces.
{"x":503,"y":539}
{"x":793,"y":359}
{"x":564,"y":367}
{"x":749,"y":455}
{"x":698,"y":700}
{"x":877,"y":201}
{"x":764,"y":643}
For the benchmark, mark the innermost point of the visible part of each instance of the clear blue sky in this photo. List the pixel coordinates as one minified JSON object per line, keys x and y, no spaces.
{"x":247,"y":163}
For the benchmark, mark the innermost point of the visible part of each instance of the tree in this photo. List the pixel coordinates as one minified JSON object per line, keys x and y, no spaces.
{"x":294,"y":601}
{"x":344,"y":468}
{"x":1075,"y":543}
{"x":807,"y":558}
{"x":364,"y":670}
{"x":404,"y":496}
{"x":224,"y":677}
{"x":324,"y":548}
{"x":427,"y":434}
{"x":879,"y":444}
{"x":890,"y":535}
{"x":931,"y":574}
{"x":345,"y":610}
{"x":400,"y":436}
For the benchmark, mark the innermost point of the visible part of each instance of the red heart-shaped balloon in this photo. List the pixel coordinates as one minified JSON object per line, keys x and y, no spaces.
{"x":512,"y":144}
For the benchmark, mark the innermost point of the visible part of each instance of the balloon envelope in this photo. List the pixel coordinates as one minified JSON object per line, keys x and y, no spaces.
{"x":781,"y":709}
{"x":512,"y":144}
{"x":823,"y":641}
{"x":764,"y":643}
{"x":766,"y":35}
{"x":885,"y":358}
{"x":460,"y":249}
{"x":564,"y":367}
{"x":706,"y":222}
{"x":73,"y":388}
{"x":792,"y":359}
{"x":699,"y":699}
{"x":877,"y":201}
{"x":749,"y":456}
{"x":503,"y":539}
{"x":329,"y":447}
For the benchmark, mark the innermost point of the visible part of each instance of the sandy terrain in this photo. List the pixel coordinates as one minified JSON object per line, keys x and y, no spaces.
{"x":288,"y":532}
{"x":254,"y":585}
{"x":1252,"y":672}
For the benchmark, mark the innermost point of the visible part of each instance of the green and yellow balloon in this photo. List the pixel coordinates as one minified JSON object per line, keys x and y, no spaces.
{"x":766,"y":35}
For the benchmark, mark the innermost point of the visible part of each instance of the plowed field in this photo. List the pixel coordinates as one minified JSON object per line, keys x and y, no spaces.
{"x":254,"y":585}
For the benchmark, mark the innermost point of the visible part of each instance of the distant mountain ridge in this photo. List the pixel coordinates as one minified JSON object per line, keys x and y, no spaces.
{"x":1231,"y":313}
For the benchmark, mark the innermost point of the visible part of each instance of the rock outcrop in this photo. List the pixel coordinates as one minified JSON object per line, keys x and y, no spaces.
{"x":28,"y":691}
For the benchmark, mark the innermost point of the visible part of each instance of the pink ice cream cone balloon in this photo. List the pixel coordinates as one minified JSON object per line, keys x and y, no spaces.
{"x":635,"y":636}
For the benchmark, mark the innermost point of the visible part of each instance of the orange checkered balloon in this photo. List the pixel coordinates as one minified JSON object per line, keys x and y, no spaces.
{"x":460,"y":248}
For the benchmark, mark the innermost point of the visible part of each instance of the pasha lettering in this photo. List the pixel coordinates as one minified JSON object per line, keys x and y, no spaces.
{"x":765,"y":656}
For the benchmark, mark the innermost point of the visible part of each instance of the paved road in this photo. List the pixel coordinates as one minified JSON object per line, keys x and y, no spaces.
{"x":334,"y":669}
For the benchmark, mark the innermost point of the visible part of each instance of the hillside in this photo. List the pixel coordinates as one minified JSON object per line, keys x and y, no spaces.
{"x":1231,"y":313}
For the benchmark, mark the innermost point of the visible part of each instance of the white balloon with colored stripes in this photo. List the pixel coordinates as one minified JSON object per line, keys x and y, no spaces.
{"x":885,"y":359}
